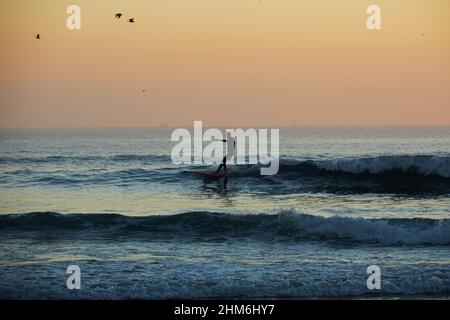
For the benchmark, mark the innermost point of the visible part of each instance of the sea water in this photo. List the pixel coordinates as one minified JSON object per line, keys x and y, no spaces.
{"x":112,"y":202}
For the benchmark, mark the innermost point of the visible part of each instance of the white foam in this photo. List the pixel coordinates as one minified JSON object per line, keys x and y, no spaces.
{"x":408,"y":231}
{"x":426,"y":165}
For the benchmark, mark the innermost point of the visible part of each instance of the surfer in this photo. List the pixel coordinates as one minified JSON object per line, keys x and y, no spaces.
{"x":231,"y":150}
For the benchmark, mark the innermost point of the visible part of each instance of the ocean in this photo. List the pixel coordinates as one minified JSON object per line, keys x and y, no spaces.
{"x":139,"y":227}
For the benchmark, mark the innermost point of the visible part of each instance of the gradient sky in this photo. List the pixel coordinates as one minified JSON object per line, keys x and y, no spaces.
{"x":226,"y":62}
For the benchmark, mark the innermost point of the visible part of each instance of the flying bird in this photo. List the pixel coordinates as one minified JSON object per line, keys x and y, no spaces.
{"x":131,"y":20}
{"x":118,"y":15}
{"x":38,"y":36}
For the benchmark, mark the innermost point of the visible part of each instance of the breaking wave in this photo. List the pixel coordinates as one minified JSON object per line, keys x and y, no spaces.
{"x":406,"y":174}
{"x":286,"y":225}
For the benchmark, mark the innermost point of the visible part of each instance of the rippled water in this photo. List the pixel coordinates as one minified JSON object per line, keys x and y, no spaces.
{"x":343,"y":199}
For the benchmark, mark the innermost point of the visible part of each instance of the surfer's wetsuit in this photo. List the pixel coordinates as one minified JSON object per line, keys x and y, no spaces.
{"x":231,"y":150}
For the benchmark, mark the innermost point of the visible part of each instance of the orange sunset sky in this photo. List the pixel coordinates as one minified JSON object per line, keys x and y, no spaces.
{"x":226,"y":62}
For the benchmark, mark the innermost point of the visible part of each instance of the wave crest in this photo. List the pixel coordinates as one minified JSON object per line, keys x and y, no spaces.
{"x":286,"y":225}
{"x":421,"y":165}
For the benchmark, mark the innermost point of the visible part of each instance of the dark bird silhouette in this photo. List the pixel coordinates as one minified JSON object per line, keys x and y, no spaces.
{"x":118,"y":15}
{"x":131,"y":20}
{"x":38,"y":36}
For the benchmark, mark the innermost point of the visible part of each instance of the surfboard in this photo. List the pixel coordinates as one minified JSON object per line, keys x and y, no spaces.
{"x":208,"y":174}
